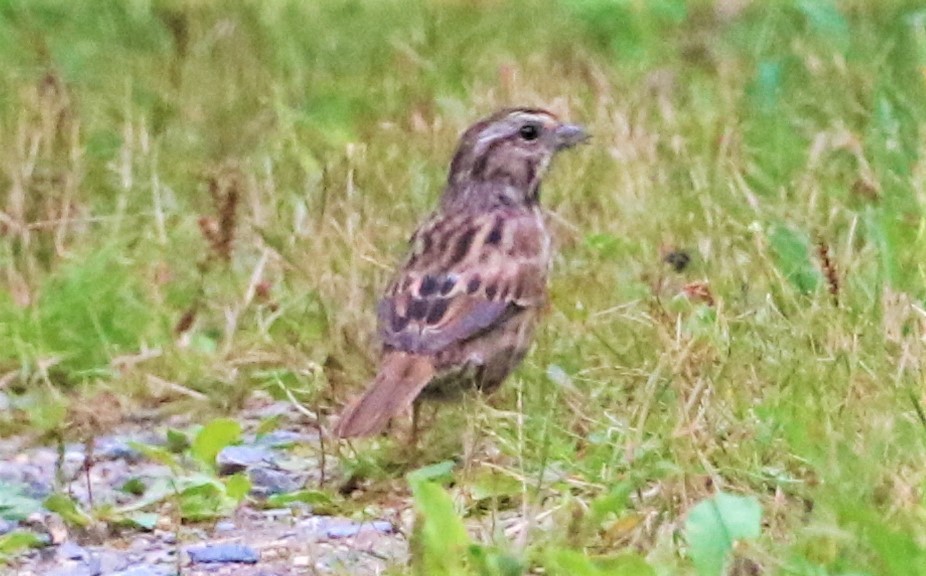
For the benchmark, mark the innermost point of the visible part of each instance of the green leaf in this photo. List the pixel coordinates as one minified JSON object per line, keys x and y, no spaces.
{"x":159,"y":490}
{"x":792,"y":256}
{"x":612,"y":503}
{"x":68,"y":509}
{"x":628,"y":564}
{"x":715,"y":524}
{"x":203,"y":502}
{"x":570,"y":563}
{"x":442,"y":538}
{"x":157,"y":454}
{"x":143,"y":520}
{"x":14,"y":505}
{"x":177,"y":441}
{"x":439,"y":472}
{"x":134,"y":486}
{"x":214,"y":436}
{"x":493,"y":484}
{"x":313,"y":497}
{"x":17,"y":541}
{"x":237,"y":486}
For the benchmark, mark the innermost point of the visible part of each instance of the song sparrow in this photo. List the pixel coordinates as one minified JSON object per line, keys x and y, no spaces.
{"x":461,"y":310}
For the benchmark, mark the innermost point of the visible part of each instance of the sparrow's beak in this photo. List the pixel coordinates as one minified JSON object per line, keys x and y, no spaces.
{"x":568,"y":135}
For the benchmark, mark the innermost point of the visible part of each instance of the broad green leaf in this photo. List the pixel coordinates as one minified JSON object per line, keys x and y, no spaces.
{"x":17,"y":541}
{"x":313,"y":497}
{"x":627,"y":564}
{"x":68,"y":509}
{"x":14,"y":505}
{"x":214,"y":436}
{"x":713,"y":526}
{"x":157,"y":454}
{"x":493,"y":484}
{"x":237,"y":486}
{"x":204,"y":502}
{"x":570,"y":563}
{"x":159,"y":490}
{"x":439,"y":472}
{"x":177,"y":441}
{"x":134,"y":486}
{"x":442,"y":538}
{"x":143,"y":520}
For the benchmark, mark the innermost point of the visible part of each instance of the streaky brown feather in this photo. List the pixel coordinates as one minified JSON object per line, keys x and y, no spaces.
{"x":461,"y":310}
{"x":401,"y":378}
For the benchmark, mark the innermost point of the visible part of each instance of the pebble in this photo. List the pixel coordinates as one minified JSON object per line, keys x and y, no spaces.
{"x":225,"y":526}
{"x":301,"y":561}
{"x":7,"y":526}
{"x":268,"y":481}
{"x":234,"y":459}
{"x":145,"y":571}
{"x":71,"y":551}
{"x":348,"y":529}
{"x":110,"y":448}
{"x":274,"y":514}
{"x":331,"y":527}
{"x":223,"y":553}
{"x":282,"y":439}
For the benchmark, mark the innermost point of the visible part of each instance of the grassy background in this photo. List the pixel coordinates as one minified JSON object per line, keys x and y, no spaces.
{"x":202,"y":199}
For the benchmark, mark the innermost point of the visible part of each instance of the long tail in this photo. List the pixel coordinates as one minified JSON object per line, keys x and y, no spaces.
{"x":401,"y":378}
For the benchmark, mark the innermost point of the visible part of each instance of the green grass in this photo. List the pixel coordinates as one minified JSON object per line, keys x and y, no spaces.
{"x":755,"y":136}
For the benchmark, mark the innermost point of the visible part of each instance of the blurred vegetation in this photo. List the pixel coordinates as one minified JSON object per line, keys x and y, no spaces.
{"x":204,"y":198}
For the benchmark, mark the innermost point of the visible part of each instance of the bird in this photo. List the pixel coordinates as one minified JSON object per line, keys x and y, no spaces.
{"x":460,"y":311}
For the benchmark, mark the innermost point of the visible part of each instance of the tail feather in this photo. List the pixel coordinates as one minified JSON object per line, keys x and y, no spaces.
{"x":401,"y":379}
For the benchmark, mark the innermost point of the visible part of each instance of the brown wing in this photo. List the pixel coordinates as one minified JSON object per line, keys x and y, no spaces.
{"x":465,"y":274}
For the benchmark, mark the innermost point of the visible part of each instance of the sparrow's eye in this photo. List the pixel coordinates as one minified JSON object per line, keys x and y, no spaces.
{"x":529,"y":132}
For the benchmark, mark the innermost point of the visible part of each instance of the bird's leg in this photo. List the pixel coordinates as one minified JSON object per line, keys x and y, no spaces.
{"x":416,"y":415}
{"x":88,"y":464}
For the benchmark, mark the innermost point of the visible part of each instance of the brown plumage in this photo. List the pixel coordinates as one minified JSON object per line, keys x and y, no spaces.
{"x":460,"y":312}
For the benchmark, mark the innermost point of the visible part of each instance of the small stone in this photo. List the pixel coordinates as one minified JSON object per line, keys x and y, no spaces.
{"x":167,"y":537}
{"x":144,"y":570}
{"x":234,"y":459}
{"x":267,"y":481}
{"x":139,"y":544}
{"x":346,"y":529}
{"x":223,"y":553}
{"x":110,"y":448}
{"x":281,"y":439}
{"x":7,"y":526}
{"x":301,"y":561}
{"x":71,"y":551}
{"x":274,"y":514}
{"x":225,"y":526}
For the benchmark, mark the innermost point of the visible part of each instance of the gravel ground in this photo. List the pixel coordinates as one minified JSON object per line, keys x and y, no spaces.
{"x":253,"y":541}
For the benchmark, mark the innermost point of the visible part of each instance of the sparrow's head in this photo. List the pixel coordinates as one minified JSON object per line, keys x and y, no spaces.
{"x":502,"y":159}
